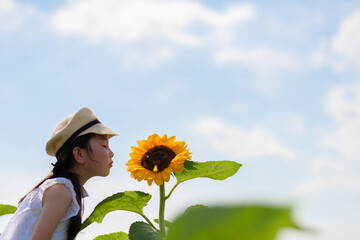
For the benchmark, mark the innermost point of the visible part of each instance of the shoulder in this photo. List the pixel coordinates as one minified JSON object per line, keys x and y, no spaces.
{"x":57,"y":193}
{"x":60,"y":192}
{"x":61,"y":183}
{"x":57,"y":189}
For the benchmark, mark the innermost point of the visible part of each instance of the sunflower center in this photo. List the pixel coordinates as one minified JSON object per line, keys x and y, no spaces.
{"x":159,"y":156}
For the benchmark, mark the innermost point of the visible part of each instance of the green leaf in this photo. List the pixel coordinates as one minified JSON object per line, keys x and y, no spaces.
{"x":133,"y":201}
{"x":228,"y":223}
{"x":7,"y":209}
{"x":195,"y":207}
{"x":218,"y":170}
{"x":143,"y":231}
{"x":113,"y":236}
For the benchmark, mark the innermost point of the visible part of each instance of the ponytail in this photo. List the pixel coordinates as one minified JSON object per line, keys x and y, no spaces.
{"x":63,"y":165}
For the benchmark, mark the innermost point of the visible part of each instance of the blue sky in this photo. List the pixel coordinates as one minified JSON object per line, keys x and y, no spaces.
{"x":272,"y":85}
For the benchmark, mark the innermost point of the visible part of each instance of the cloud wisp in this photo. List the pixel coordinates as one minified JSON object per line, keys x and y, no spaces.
{"x":13,"y":15}
{"x":346,"y":41}
{"x":342,"y":51}
{"x":343,"y":104}
{"x":340,"y":169}
{"x":239,"y":143}
{"x":150,"y":27}
{"x":145,"y":20}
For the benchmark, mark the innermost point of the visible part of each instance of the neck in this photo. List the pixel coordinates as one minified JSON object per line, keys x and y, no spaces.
{"x":82,"y":180}
{"x":81,"y":177}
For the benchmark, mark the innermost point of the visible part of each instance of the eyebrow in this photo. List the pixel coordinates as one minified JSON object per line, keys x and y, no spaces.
{"x":103,"y":137}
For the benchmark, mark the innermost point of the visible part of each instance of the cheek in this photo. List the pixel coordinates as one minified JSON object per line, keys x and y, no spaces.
{"x":99,"y":154}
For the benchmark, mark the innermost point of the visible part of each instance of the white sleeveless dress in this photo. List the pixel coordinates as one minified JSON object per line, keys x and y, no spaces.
{"x":22,"y":223}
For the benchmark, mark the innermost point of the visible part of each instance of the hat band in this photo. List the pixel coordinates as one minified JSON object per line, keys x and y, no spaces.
{"x":74,"y":135}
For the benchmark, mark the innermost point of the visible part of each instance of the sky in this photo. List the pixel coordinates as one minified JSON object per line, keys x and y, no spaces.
{"x":273,"y":85}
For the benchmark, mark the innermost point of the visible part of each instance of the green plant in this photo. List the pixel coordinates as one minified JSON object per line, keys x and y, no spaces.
{"x":7,"y":209}
{"x":247,"y":222}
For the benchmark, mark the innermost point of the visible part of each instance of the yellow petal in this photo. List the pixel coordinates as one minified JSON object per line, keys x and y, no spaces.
{"x":142,"y":174}
{"x":156,"y":139}
{"x":137,"y":150}
{"x":171,"y":140}
{"x":134,"y":168}
{"x":153,"y":140}
{"x":144,"y":145}
{"x":155,"y":169}
{"x":150,"y":175}
{"x":158,"y":179}
{"x":150,"y":181}
{"x":133,"y":162}
{"x":135,"y":155}
{"x":176,"y":167}
{"x":178,"y":147}
{"x":166,"y":174}
{"x":163,"y":139}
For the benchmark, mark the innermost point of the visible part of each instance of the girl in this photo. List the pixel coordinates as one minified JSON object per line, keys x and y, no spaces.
{"x":52,"y":210}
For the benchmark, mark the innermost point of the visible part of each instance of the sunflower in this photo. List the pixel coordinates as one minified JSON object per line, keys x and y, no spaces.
{"x":156,"y":158}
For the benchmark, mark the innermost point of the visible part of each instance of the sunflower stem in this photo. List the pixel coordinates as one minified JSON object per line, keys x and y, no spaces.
{"x":150,"y":223}
{"x":171,"y":191}
{"x":162,"y":211}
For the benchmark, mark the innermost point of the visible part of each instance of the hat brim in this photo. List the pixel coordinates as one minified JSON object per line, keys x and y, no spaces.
{"x":100,"y":129}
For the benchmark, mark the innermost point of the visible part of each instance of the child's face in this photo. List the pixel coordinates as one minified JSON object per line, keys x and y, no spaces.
{"x":99,"y":160}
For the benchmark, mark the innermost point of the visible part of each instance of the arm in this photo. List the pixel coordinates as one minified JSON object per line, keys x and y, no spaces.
{"x":56,"y":201}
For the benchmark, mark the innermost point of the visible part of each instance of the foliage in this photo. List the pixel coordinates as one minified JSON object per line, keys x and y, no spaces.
{"x":199,"y":222}
{"x":248,"y":222}
{"x":217,"y":170}
{"x":7,"y":209}
{"x":133,"y":201}
{"x":141,"y":230}
{"x":113,"y":236}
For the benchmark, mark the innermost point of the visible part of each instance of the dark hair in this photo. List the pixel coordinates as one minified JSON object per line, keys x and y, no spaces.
{"x":65,"y":161}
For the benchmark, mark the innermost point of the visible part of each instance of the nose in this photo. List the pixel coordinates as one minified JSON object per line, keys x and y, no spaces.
{"x":111,"y":153}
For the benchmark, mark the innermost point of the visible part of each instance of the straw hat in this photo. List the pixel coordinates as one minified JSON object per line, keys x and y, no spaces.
{"x":79,"y":123}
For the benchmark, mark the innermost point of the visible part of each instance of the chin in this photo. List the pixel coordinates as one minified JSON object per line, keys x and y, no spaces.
{"x":103,"y":174}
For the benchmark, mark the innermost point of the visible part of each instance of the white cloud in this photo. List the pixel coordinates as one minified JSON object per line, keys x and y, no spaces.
{"x":240,"y":143}
{"x":338,"y":171}
{"x":264,"y":60}
{"x":170,"y":90}
{"x":343,"y":104}
{"x":346,"y":42}
{"x":156,"y":26}
{"x":293,"y":124}
{"x":13,"y":15}
{"x":159,"y":26}
{"x":342,"y":52}
{"x":148,"y":57}
{"x":329,"y":173}
{"x":7,"y":7}
{"x":144,"y":20}
{"x":334,"y":181}
{"x":266,"y":63}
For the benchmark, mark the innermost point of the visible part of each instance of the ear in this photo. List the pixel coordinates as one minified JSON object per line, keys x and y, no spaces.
{"x":79,"y":155}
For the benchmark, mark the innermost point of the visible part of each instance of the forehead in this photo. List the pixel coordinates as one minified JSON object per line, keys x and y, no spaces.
{"x":99,"y":137}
